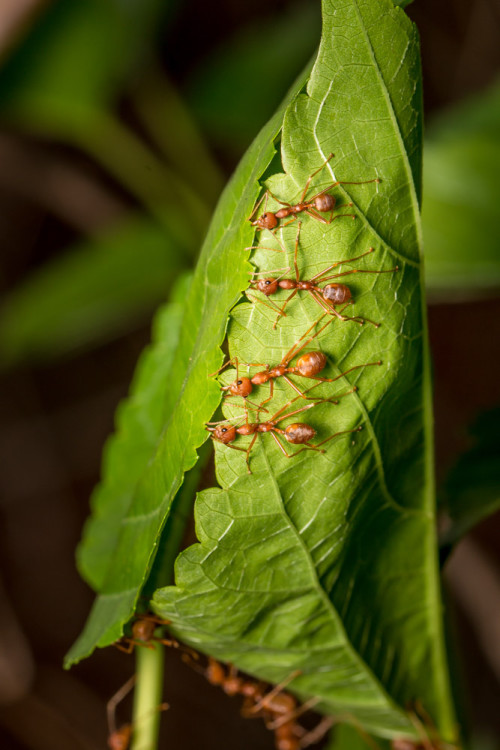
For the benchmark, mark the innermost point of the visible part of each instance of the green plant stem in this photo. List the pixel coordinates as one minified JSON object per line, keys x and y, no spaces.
{"x":171,"y":127}
{"x":147,"y":697}
{"x":129,"y":160}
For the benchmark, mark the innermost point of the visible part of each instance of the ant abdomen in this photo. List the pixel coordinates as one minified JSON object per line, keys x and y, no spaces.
{"x":337,"y":294}
{"x":324,"y":202}
{"x":299,"y":433}
{"x":311,"y":363}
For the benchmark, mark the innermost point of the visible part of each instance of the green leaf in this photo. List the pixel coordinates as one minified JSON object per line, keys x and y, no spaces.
{"x":327,"y":564}
{"x":461,"y":197}
{"x":189,"y":398}
{"x":99,"y":289}
{"x":472,"y":490}
{"x":76,"y":57}
{"x":139,"y":421}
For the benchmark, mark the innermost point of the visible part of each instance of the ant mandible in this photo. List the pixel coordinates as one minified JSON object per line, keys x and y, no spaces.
{"x":327,"y":297}
{"x":322,"y":202}
{"x":307,"y":366}
{"x":298,"y":433}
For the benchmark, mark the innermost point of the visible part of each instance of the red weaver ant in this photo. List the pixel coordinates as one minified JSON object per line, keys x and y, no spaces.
{"x":279,"y":710}
{"x":119,"y":739}
{"x":327,"y":297}
{"x":308,"y":366}
{"x":322,"y":202}
{"x":298,"y":433}
{"x":143,"y":634}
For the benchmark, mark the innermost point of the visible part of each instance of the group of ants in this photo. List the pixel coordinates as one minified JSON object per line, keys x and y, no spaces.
{"x":329,"y":297}
{"x":279,"y":709}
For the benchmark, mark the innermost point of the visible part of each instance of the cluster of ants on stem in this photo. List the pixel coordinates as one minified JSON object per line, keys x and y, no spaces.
{"x":279,"y":709}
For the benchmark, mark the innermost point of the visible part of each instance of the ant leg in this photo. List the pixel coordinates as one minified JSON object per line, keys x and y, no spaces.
{"x":295,"y":387}
{"x":283,"y":203}
{"x":336,"y":434}
{"x":294,"y":350}
{"x":338,"y":216}
{"x":334,"y":184}
{"x":265,"y":195}
{"x":307,"y":446}
{"x":269,"y":303}
{"x":340,"y":263}
{"x":359,"y":270}
{"x":317,"y":734}
{"x":292,"y":715}
{"x":273,"y":270}
{"x":356,"y":367}
{"x":121,"y":647}
{"x":115,"y":700}
{"x":277,"y":689}
{"x":248,"y":450}
{"x":271,"y":391}
{"x":233,"y":361}
{"x":313,"y":175}
{"x":281,"y":310}
{"x":297,"y":276}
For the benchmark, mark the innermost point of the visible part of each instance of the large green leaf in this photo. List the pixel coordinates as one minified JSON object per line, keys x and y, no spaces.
{"x":472,"y":489}
{"x":327,"y":564}
{"x":139,"y":421}
{"x":95,"y":291}
{"x":189,"y":397}
{"x":461,"y":196}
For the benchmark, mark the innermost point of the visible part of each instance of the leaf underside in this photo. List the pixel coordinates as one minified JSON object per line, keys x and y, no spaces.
{"x":326,"y":563}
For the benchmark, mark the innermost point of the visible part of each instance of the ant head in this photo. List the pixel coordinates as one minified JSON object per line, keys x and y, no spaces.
{"x":324,"y":202}
{"x":241,"y":387}
{"x":266,"y":286}
{"x":266,"y":221}
{"x":337,"y":294}
{"x":224,"y":433}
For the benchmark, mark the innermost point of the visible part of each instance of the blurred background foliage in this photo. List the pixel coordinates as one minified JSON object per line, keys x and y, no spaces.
{"x":120,"y":122}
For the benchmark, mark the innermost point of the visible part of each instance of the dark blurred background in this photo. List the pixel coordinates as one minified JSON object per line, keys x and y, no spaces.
{"x":120,"y":122}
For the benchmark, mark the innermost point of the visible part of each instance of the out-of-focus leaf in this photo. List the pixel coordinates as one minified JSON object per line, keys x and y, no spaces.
{"x":236,"y":90}
{"x":98,"y":290}
{"x":139,"y":421}
{"x":327,"y":564}
{"x":76,"y":57}
{"x":461,"y":220}
{"x":472,"y":490}
{"x":190,"y":395}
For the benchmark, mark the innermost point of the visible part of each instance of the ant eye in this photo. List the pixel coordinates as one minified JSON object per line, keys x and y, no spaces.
{"x":239,"y":382}
{"x":224,"y":429}
{"x":267,"y":282}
